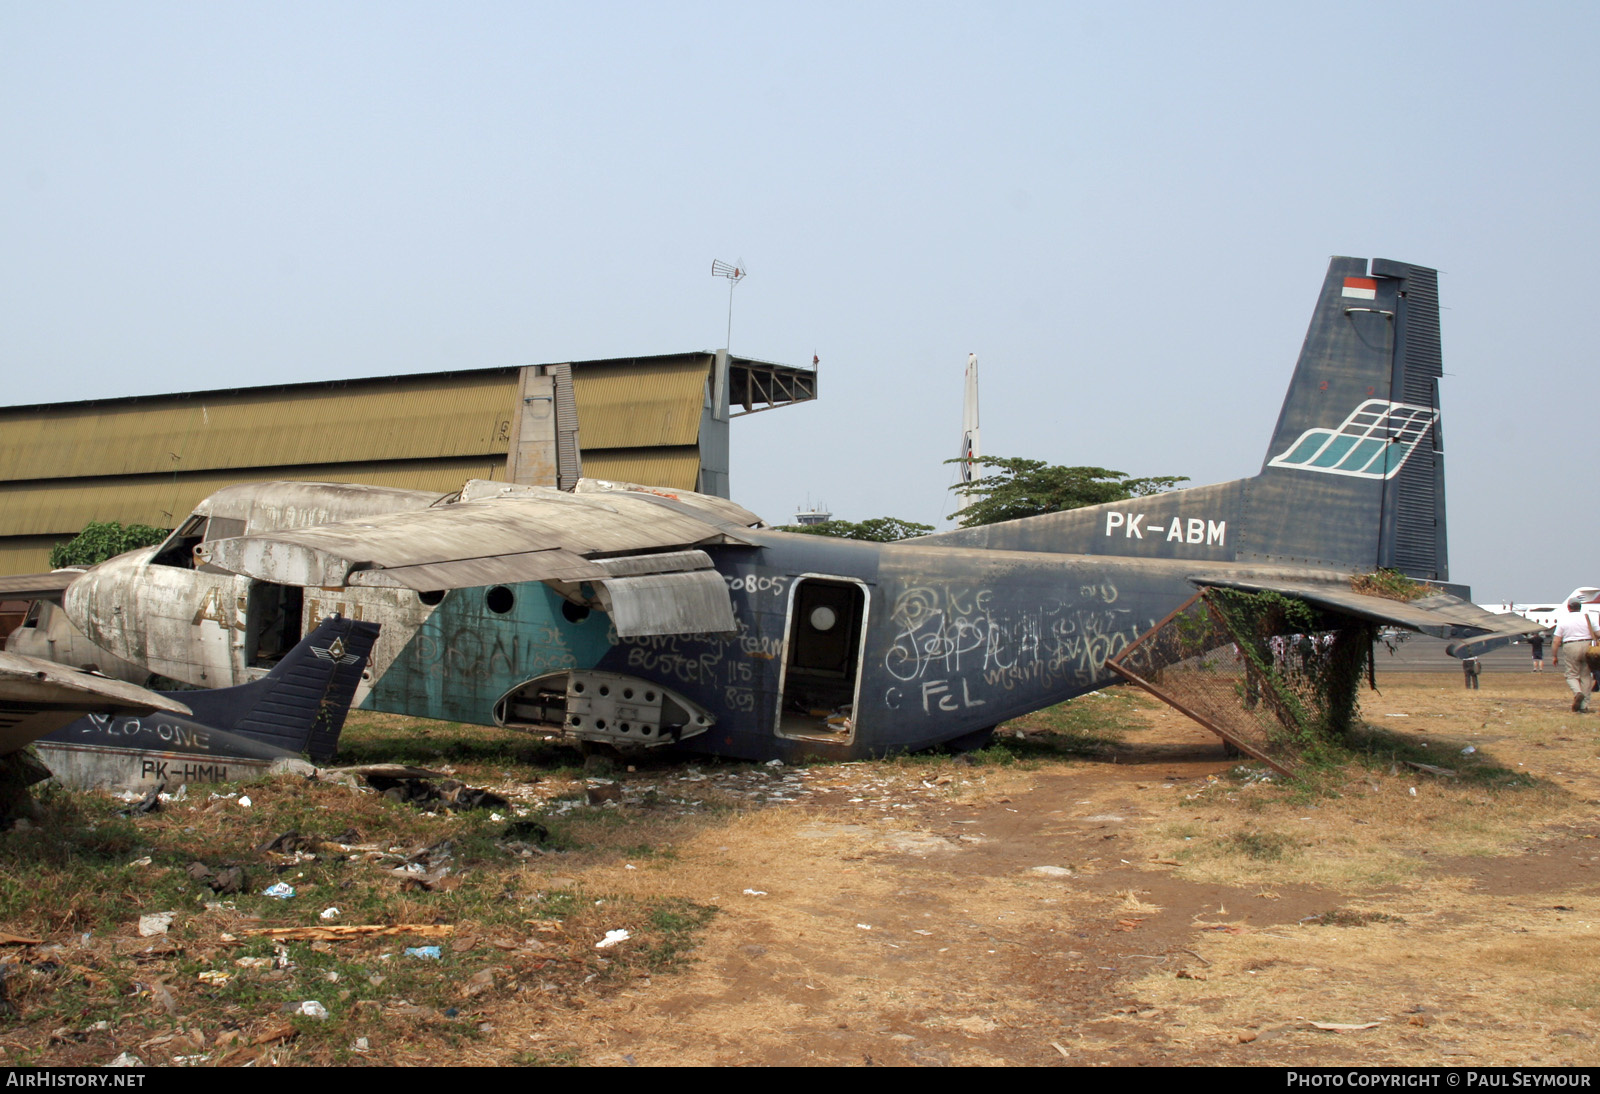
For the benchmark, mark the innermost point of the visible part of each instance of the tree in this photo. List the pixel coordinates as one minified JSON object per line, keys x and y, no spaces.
{"x":1011,"y":488}
{"x":876,"y":530}
{"x":101,"y":539}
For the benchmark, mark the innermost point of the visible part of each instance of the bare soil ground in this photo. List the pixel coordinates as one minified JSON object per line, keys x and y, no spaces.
{"x":1110,"y":891}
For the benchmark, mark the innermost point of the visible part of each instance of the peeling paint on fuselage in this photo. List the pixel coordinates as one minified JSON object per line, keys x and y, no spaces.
{"x":956,"y":642}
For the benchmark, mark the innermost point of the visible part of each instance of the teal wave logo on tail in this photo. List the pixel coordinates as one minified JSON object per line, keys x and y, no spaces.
{"x":1374,"y":442}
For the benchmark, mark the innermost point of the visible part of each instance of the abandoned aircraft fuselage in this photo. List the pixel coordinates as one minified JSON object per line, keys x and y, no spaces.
{"x":632,"y":616}
{"x":841,"y":648}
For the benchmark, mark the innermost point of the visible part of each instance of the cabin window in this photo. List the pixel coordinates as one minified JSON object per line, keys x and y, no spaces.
{"x":822,"y":659}
{"x":499,"y":600}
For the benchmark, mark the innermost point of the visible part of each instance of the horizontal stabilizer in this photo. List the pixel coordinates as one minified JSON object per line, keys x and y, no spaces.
{"x":39,"y":697}
{"x":1441,"y":615}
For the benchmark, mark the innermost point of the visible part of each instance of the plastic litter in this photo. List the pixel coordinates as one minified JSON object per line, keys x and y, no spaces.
{"x":430,"y":952}
{"x":612,"y":938}
{"x":244,"y":802}
{"x":755,"y":892}
{"x":155,"y":923}
{"x":312,"y":1009}
{"x":328,"y":913}
{"x":280,"y":890}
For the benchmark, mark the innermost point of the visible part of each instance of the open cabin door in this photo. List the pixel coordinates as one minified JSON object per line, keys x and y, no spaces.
{"x":273,"y":622}
{"x":822,"y":649}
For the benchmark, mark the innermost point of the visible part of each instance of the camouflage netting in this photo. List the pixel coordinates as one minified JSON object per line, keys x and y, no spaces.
{"x":1271,"y":675}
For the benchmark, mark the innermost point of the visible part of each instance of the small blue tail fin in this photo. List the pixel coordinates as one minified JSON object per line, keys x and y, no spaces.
{"x":300,"y":705}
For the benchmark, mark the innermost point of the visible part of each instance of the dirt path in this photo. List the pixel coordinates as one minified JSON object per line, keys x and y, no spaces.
{"x":1136,"y":911}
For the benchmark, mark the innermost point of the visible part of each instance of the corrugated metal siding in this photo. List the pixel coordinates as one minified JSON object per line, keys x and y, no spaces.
{"x":391,"y":420}
{"x":150,"y":459}
{"x":46,"y":508}
{"x":678,"y":468}
{"x":27,"y":554}
{"x":626,"y":404}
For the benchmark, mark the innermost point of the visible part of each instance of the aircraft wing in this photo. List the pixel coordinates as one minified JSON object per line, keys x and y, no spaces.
{"x":639,"y":546}
{"x":39,"y":697}
{"x":37,"y":586}
{"x":1441,"y":615}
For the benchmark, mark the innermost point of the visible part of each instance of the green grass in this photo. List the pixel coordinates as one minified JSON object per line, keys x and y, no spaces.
{"x":71,"y":881}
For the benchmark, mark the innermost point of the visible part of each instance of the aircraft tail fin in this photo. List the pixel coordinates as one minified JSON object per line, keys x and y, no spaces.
{"x":299,"y":706}
{"x":1355,"y":472}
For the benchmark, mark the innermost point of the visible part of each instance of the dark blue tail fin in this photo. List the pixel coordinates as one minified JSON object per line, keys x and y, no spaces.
{"x":300,"y":705}
{"x":1355,"y":471}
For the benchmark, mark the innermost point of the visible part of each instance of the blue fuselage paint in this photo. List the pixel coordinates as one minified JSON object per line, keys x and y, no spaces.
{"x":952,"y":642}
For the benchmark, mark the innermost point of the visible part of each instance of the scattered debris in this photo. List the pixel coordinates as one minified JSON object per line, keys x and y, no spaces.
{"x":432,"y":953}
{"x":227,"y":879}
{"x":150,"y":803}
{"x":328,"y":913}
{"x":310,"y":1008}
{"x":612,"y":938}
{"x":600,"y":791}
{"x":155,"y":923}
{"x":415,"y":785}
{"x":280,"y":890}
{"x":346,"y":931}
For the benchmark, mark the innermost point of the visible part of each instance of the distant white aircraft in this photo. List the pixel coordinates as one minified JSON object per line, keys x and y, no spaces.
{"x":1546,"y":613}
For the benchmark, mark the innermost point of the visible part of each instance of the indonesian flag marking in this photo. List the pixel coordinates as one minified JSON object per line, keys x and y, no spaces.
{"x":1360,"y":288}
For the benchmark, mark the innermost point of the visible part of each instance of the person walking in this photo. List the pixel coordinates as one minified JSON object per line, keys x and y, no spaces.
{"x":1536,"y":643}
{"x":1574,"y":635}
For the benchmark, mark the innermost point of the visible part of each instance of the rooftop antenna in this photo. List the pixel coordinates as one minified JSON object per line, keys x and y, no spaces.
{"x":734,"y":274}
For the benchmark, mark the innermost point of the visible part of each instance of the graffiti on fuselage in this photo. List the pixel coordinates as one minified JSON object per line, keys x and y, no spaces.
{"x":727,"y":666}
{"x":955,"y":645}
{"x":146,"y":732}
{"x":471,"y":652}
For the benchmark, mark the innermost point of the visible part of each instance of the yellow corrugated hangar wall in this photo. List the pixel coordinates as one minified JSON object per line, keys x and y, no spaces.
{"x":149,"y":459}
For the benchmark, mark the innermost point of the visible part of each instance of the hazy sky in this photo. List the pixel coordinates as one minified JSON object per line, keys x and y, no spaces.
{"x":1125,"y":210}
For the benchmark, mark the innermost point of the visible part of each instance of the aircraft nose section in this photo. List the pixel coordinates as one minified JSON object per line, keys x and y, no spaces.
{"x":103,"y":602}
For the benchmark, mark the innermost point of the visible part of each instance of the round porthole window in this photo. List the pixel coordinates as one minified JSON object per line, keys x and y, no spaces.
{"x":431,"y":597}
{"x":499,"y":600}
{"x":823,"y":619}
